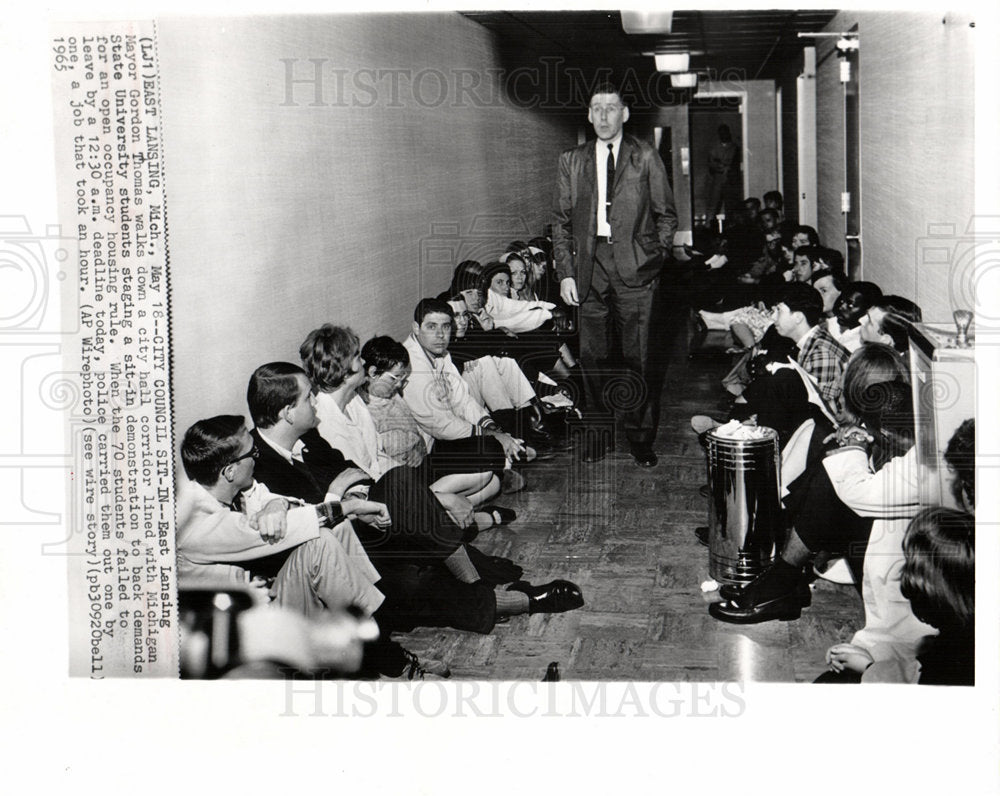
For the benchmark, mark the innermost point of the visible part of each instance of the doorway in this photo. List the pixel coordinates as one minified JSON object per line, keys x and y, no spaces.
{"x":717,"y":165}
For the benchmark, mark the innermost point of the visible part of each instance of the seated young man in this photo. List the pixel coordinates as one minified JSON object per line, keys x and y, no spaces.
{"x":851,"y":306}
{"x":797,"y":318}
{"x":430,"y":577}
{"x":455,"y":427}
{"x":227,"y":522}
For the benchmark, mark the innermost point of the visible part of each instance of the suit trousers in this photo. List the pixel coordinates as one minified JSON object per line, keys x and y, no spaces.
{"x":615,"y":321}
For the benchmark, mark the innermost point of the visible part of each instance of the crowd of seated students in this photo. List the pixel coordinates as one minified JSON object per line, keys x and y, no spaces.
{"x":367,"y":471}
{"x":823,"y":361}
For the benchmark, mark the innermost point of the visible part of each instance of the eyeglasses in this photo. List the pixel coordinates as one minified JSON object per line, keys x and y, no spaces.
{"x":402,"y":381}
{"x":253,"y":453}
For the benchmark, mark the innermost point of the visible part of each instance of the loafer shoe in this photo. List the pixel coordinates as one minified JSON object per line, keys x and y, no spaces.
{"x":742,"y":596}
{"x":550,"y":598}
{"x":786,"y":608}
{"x":500,"y":515}
{"x":701,"y":534}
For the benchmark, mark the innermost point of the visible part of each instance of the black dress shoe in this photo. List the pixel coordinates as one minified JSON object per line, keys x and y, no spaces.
{"x":499,"y":514}
{"x":644,"y":457}
{"x":746,"y":594}
{"x":785,"y":607}
{"x":550,"y":598}
{"x":701,"y":533}
{"x":705,"y":490}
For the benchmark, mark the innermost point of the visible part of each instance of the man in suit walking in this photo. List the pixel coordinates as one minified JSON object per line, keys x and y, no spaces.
{"x":613,"y":228}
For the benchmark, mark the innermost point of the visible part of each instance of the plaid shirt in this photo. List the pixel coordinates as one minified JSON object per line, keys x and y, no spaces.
{"x":823,"y":358}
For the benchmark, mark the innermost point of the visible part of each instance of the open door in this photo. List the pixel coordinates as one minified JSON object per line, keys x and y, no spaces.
{"x":717,"y":172}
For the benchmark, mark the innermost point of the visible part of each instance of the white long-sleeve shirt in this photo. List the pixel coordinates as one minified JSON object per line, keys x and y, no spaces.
{"x":439,"y":398}
{"x":892,"y":497}
{"x":351,"y":431}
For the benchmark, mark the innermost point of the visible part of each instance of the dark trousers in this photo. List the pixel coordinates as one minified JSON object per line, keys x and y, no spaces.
{"x":475,"y":454}
{"x":619,"y":377}
{"x":430,"y":596}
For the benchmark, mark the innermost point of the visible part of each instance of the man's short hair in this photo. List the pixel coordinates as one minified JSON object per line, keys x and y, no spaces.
{"x":767,"y":211}
{"x":833,"y":259}
{"x":428,"y":306}
{"x":800,"y":297}
{"x":209,"y":445}
{"x":809,"y":232}
{"x":839,"y":280}
{"x":811,"y":253}
{"x":774,"y":197}
{"x":605,"y":87}
{"x":870,"y":292}
{"x":383,"y":353}
{"x":753,"y":201}
{"x":326,"y":355}
{"x":272,"y":387}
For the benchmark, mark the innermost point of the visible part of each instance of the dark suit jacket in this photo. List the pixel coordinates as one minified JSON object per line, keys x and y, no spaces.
{"x":324,"y":462}
{"x":643,"y":218}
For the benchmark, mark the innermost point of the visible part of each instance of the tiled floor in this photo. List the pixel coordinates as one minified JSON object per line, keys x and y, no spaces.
{"x":625,"y":535}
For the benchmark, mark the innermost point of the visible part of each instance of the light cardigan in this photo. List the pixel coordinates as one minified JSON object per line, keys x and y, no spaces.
{"x":891,"y":496}
{"x":516,"y":315}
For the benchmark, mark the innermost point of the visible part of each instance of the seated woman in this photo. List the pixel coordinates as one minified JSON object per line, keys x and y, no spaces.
{"x":938,"y":578}
{"x":897,"y":633}
{"x":498,"y":383}
{"x":521,"y":281}
{"x":535,"y":352}
{"x":511,"y":314}
{"x":332,"y":360}
{"x":831,"y":507}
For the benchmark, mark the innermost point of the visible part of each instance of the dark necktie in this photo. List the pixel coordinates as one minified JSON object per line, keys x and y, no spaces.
{"x":237,"y":504}
{"x":306,"y":471}
{"x":611,"y":182}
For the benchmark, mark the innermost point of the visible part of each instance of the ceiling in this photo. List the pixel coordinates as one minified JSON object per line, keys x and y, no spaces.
{"x":740,"y":44}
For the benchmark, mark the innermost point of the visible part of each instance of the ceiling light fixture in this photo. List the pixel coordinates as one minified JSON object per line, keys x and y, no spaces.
{"x":672,"y":62}
{"x":647,"y":21}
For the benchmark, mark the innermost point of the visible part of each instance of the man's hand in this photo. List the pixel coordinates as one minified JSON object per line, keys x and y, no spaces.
{"x":346,"y":479}
{"x":368,"y":511}
{"x":512,"y":446}
{"x":850,"y":434}
{"x":485,"y":320}
{"x":567,"y":291}
{"x":412,"y":457}
{"x":271,"y":521}
{"x":848,"y":656}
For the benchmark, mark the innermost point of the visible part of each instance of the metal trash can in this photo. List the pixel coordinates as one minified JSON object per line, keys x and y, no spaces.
{"x":744,"y":507}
